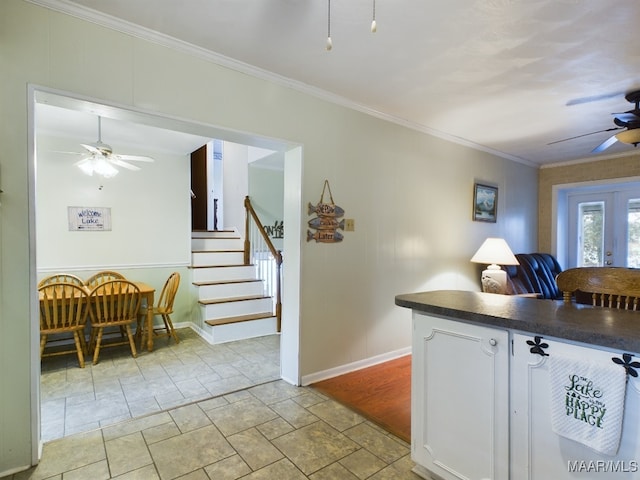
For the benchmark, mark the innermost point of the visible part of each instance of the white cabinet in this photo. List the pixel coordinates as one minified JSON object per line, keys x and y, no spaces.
{"x":537,"y":453}
{"x":460,"y":399}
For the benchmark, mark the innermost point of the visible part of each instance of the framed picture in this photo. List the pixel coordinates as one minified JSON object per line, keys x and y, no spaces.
{"x":485,"y":203}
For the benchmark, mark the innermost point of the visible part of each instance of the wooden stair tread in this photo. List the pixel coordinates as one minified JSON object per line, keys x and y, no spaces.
{"x":226,"y":282}
{"x":232,"y":299}
{"x":221,"y":266}
{"x":217,"y":251}
{"x":239,"y":318}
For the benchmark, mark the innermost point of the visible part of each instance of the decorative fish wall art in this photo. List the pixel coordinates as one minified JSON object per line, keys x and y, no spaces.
{"x":327,"y":220}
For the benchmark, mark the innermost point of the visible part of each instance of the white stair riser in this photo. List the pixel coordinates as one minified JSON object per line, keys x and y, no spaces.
{"x":217,"y":244}
{"x":203,"y":259}
{"x":224,"y":273}
{"x":230,"y":290}
{"x":233,"y":309}
{"x":242,"y":330}
{"x":216,"y":234}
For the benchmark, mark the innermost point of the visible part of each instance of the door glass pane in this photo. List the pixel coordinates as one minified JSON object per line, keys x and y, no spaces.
{"x":633,"y":238}
{"x":591,"y":234}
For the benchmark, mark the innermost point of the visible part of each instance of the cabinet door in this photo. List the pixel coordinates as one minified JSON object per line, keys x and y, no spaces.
{"x":537,"y":453}
{"x":460,"y":409}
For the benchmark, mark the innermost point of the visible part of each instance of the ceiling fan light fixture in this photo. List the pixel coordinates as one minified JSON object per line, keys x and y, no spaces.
{"x":98,"y":165}
{"x":631,"y":137}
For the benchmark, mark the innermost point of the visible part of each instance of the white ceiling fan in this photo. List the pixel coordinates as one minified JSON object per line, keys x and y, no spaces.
{"x":101,"y":160}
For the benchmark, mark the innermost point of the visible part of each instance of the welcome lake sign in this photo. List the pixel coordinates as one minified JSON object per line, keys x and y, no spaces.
{"x":85,"y":219}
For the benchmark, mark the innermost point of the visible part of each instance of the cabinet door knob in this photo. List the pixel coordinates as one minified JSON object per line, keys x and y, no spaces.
{"x":493,"y":342}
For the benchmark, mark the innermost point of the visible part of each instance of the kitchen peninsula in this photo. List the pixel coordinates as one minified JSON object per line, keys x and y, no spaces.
{"x":481,"y":402}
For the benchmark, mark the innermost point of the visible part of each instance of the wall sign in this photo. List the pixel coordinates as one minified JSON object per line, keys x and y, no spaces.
{"x":83,"y":219}
{"x":326,"y":223}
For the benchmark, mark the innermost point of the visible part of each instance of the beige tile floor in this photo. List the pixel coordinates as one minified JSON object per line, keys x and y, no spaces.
{"x":265,"y":429}
{"x":121,"y":387}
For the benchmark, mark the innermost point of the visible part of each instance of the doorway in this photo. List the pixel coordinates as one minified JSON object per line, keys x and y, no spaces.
{"x":289,"y":341}
{"x":602,"y":225}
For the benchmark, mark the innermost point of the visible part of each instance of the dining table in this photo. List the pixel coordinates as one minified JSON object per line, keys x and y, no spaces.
{"x":147,"y":294}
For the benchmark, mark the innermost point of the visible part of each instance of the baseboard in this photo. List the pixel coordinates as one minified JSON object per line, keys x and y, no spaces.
{"x":352,"y":367}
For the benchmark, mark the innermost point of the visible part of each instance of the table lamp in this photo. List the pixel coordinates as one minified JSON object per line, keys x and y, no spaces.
{"x":494,"y":252}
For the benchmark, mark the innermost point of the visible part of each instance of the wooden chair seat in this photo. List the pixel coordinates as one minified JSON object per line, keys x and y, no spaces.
{"x":64,"y":308}
{"x":611,"y":287}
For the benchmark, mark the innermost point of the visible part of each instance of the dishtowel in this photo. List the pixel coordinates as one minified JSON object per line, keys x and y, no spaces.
{"x":587,"y":401}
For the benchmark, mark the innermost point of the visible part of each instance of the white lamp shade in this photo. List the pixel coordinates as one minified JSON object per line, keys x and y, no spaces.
{"x":495,"y":251}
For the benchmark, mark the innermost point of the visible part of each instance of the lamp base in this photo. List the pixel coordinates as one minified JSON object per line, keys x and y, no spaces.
{"x":494,"y":280}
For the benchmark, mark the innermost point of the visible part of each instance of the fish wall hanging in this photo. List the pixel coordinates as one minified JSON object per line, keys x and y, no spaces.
{"x":327,"y":220}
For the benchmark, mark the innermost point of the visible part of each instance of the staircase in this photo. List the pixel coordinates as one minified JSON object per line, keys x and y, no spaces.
{"x":231,"y":300}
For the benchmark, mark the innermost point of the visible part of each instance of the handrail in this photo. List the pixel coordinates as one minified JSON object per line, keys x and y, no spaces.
{"x":276,"y":254}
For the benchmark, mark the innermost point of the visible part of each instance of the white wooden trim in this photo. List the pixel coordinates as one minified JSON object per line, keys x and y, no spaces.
{"x":354,"y":366}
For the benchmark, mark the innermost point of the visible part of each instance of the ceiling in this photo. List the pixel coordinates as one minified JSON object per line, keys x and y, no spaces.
{"x":504,"y":76}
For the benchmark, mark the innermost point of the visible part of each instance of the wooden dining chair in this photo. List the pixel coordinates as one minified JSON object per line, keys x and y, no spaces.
{"x":64,"y":308}
{"x":164,"y":309}
{"x":612,"y":287}
{"x":61,"y":278}
{"x":114,"y":303}
{"x":101,"y":277}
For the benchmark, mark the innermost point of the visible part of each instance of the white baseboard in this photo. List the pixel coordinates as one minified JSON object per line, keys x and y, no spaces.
{"x":352,"y":367}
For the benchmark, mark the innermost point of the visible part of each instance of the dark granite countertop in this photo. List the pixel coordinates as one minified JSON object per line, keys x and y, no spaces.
{"x":605,"y":327}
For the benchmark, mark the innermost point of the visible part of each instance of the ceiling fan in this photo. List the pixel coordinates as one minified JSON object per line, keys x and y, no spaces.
{"x":628,"y":121}
{"x":99,"y":158}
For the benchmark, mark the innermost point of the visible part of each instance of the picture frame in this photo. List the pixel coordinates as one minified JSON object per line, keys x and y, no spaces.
{"x":485,"y":203}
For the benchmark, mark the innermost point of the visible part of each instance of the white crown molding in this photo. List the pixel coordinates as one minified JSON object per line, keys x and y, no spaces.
{"x":69,"y":8}
{"x":591,"y":159}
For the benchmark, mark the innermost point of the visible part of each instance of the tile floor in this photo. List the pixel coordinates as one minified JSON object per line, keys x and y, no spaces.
{"x":121,"y":387}
{"x":196,"y":430}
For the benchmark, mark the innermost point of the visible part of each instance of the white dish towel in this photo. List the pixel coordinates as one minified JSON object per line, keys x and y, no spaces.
{"x":587,"y":401}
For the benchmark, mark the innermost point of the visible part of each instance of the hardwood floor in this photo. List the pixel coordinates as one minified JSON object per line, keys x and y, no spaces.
{"x":381,"y":393}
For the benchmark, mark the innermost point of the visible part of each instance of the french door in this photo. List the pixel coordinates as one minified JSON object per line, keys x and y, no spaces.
{"x":604,"y":229}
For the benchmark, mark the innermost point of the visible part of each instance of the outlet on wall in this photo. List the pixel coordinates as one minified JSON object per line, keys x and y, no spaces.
{"x":349,"y":224}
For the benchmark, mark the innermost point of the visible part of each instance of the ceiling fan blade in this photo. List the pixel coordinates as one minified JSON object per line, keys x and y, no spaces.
{"x":69,"y":153}
{"x":627,"y":117}
{"x":137,"y":158}
{"x":606,"y":144}
{"x":593,"y":98}
{"x":91,"y":148}
{"x":586,"y":134}
{"x":86,"y":157}
{"x":122,"y":164}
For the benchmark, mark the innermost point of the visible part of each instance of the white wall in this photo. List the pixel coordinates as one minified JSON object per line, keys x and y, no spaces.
{"x":235,"y":161}
{"x":150,"y":212}
{"x":410,"y":194}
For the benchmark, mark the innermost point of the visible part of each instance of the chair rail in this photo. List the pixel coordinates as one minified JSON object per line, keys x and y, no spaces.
{"x":255,"y":241}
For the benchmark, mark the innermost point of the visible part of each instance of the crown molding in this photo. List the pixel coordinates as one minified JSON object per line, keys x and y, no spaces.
{"x":599,"y":158}
{"x":84,"y":13}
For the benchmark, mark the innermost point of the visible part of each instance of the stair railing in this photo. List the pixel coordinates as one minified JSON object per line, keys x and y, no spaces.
{"x":259,"y":250}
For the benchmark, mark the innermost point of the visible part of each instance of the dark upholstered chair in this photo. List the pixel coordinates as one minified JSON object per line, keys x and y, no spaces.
{"x":539,"y":271}
{"x":517,"y":282}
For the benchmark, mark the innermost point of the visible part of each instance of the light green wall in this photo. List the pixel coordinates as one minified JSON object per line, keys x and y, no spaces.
{"x":409,"y":193}
{"x":266,"y":189}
